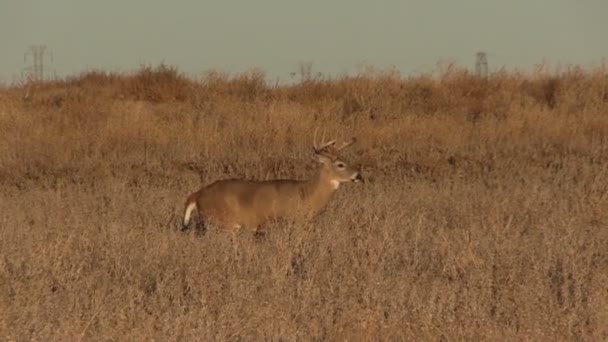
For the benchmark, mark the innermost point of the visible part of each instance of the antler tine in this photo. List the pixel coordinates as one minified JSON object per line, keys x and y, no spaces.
{"x":346,"y":144}
{"x":324,"y":144}
{"x":314,"y":140}
{"x":323,"y":136}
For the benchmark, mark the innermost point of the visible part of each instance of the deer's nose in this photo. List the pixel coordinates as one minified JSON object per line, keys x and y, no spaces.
{"x":358,"y":178}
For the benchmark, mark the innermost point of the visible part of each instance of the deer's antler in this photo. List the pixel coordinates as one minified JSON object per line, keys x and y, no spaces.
{"x":324,"y":144}
{"x":346,"y":144}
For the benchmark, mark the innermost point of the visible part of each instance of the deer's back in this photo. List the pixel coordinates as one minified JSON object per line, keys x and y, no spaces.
{"x":235,"y":202}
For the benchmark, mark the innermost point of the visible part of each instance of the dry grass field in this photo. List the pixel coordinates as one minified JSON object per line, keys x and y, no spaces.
{"x":484,"y":216}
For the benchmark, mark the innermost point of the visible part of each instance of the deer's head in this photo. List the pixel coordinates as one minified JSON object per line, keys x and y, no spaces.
{"x":334,"y":168}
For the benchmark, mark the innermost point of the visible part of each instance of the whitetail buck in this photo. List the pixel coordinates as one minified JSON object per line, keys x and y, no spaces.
{"x":235,"y":203}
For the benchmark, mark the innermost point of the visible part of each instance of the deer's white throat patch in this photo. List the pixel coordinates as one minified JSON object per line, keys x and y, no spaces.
{"x":335,"y":184}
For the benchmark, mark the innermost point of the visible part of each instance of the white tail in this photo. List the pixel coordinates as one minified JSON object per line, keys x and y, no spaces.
{"x":190,"y":207}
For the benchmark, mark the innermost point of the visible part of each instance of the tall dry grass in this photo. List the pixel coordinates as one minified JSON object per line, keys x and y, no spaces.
{"x":484,"y":217}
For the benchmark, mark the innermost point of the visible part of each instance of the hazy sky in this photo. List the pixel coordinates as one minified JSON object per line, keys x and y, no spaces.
{"x":337,"y":36}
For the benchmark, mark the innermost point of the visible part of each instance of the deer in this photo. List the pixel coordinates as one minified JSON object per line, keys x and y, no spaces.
{"x":236,"y":203}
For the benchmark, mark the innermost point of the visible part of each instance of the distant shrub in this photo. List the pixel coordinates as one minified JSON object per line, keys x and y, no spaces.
{"x":160,"y":84}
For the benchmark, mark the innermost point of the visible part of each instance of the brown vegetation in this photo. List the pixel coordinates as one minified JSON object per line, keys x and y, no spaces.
{"x":484,"y":216}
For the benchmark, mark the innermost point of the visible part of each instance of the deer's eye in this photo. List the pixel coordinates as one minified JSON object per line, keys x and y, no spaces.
{"x":340,"y":165}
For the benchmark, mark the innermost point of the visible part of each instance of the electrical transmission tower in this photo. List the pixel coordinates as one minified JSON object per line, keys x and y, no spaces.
{"x":481,"y":64}
{"x":36,"y":53}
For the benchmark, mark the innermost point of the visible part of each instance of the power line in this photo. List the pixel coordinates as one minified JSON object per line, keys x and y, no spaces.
{"x":481,"y":64}
{"x":37,"y":54}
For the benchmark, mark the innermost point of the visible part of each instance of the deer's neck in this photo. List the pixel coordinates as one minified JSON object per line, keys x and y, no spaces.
{"x":318,"y":190}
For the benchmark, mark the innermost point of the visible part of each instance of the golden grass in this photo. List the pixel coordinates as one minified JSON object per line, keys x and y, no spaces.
{"x":484,"y":217}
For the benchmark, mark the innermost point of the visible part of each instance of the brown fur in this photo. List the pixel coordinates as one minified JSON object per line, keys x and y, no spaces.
{"x":234,"y":203}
